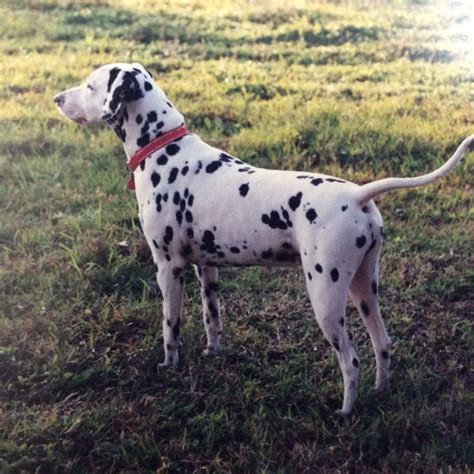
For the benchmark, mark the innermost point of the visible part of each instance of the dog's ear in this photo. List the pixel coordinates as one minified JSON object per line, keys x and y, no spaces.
{"x":122,"y":87}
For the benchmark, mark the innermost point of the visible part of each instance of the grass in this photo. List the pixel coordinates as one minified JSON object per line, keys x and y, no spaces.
{"x":356,"y":90}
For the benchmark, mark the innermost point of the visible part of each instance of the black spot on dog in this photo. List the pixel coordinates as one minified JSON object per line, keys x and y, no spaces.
{"x":365,"y":209}
{"x":162,"y":160}
{"x":170,"y":105}
{"x":311,"y":215}
{"x":267,"y":254}
{"x":360,"y":241}
{"x":199,"y":167}
{"x":211,"y":167}
{"x":344,"y":208}
{"x":244,"y":189}
{"x":152,"y":117}
{"x":185,"y":170}
{"x":225,"y":158}
{"x":112,"y":76}
{"x":172,"y":149}
{"x":155,"y":244}
{"x":159,"y":125}
{"x":341,"y":322}
{"x":120,"y":132}
{"x":334,"y":180}
{"x":168,"y":237}
{"x":186,"y":250}
{"x":285,"y":257}
{"x":139,"y":119}
{"x":208,"y":242}
{"x":310,"y":276}
{"x":273,"y":220}
{"x":318,"y":268}
{"x":372,"y":245}
{"x":176,"y":198}
{"x":303,"y":177}
{"x":190,"y":232}
{"x":142,"y":165}
{"x":384,"y":354}
{"x":334,"y":274}
{"x":177,"y":272}
{"x":143,"y":140}
{"x":365,"y":308}
{"x":317,"y":181}
{"x":145,"y":128}
{"x":168,"y":323}
{"x":355,"y":363}
{"x":179,"y":217}
{"x":190,"y":200}
{"x":155,"y":179}
{"x":235,"y":250}
{"x":374,"y":287}
{"x":176,"y":330}
{"x":213,"y":310}
{"x":295,"y":201}
{"x":148,"y":86}
{"x":182,"y":205}
{"x":335,"y":343}
{"x":173,"y":175}
{"x":189,"y":216}
{"x":286,"y":216}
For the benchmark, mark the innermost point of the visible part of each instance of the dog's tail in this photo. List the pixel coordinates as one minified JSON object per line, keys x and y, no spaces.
{"x":370,"y":190}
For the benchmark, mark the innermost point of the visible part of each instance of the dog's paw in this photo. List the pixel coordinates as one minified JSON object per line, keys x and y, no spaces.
{"x":212,"y":351}
{"x":168,"y":363}
{"x":343,"y":413}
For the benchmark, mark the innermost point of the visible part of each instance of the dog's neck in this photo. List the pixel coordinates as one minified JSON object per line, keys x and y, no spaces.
{"x":142,"y":120}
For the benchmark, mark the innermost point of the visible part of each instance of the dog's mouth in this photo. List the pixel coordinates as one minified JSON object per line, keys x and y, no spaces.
{"x":82,"y":121}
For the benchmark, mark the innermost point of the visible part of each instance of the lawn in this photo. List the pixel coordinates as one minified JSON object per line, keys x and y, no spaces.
{"x":357,"y":89}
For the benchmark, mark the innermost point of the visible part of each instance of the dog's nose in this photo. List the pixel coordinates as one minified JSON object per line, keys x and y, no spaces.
{"x":59,"y":99}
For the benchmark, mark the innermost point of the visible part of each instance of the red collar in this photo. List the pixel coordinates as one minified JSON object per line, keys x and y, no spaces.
{"x":153,"y":146}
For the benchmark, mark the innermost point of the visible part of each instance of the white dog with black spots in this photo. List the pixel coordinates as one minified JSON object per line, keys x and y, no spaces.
{"x":199,"y":205}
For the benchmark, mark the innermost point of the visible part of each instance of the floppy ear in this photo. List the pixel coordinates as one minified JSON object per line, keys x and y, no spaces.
{"x":122,"y":87}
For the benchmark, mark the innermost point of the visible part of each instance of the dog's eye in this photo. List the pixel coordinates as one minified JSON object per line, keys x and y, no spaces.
{"x":90,"y":87}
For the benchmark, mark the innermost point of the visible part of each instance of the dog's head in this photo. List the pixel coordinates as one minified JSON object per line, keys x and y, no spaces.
{"x":104,"y":93}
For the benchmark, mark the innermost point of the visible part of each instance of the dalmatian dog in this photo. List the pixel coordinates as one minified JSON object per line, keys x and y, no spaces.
{"x":200,"y":205}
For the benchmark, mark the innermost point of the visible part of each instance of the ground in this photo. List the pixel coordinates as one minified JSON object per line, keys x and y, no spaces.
{"x":350,"y":90}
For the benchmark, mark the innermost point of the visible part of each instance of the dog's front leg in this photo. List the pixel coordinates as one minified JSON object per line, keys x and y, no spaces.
{"x":170,"y":281}
{"x":210,"y":306}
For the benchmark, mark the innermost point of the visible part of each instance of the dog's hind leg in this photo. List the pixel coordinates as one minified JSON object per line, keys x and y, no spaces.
{"x":328,"y":289}
{"x":212,"y":319}
{"x":170,"y":281}
{"x":364,"y":295}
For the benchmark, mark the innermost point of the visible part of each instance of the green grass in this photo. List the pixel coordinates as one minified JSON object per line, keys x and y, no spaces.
{"x":339,"y":87}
